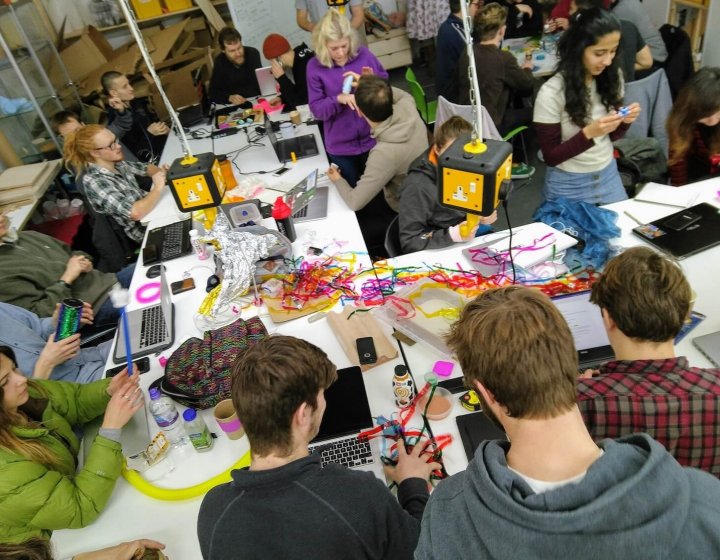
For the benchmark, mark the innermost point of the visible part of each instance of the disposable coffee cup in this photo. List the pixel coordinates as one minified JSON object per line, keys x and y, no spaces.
{"x":228,"y":420}
{"x":287,"y":130}
{"x":295,"y":117}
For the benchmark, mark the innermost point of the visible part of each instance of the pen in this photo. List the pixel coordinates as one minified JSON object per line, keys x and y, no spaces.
{"x":633,"y":218}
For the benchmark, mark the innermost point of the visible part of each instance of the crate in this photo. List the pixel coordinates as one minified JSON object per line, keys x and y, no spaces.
{"x":175,"y":5}
{"x":147,"y":8}
{"x":393,"y":50}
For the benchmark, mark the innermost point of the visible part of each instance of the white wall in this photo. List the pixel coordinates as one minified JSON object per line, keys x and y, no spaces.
{"x":711,"y":45}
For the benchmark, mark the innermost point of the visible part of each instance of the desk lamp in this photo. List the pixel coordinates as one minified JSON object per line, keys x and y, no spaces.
{"x":474,"y":175}
{"x":196,"y":182}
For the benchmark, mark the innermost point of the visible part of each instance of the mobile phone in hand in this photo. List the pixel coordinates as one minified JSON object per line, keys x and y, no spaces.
{"x":143,"y":365}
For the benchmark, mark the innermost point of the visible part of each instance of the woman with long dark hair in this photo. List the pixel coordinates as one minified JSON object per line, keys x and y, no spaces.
{"x":693,"y":129}
{"x":577,"y":115}
{"x":40,"y":490}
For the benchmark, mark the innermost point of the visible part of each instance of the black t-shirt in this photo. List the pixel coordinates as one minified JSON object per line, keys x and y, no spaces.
{"x":228,"y":79}
{"x":294,"y":94}
{"x":630,"y":43}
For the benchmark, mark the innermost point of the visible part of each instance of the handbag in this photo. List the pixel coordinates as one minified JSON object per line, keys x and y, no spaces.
{"x":197,"y":374}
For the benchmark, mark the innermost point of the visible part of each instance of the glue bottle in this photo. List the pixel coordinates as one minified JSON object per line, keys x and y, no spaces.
{"x":403,"y":387}
{"x":197,"y":431}
{"x":283,"y":218}
{"x":197,"y":245}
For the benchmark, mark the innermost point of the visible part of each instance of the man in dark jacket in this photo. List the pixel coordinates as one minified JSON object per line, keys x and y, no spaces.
{"x":450,"y":44}
{"x":553,"y":492}
{"x":286,"y":505}
{"x":233,"y":77}
{"x":289,"y":66}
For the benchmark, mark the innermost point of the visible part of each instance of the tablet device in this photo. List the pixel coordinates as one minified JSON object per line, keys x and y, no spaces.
{"x":709,"y":345}
{"x":475,"y":428}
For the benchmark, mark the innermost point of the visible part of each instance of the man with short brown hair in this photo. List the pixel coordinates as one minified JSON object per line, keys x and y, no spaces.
{"x":233,"y":77}
{"x":645,"y":299}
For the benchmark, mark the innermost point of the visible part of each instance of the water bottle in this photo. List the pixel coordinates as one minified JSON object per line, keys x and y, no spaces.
{"x":167,"y":417}
{"x":197,"y":431}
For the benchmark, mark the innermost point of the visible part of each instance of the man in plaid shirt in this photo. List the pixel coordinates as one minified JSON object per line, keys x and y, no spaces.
{"x":645,"y":299}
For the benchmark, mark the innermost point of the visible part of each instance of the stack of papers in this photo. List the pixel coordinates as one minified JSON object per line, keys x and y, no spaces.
{"x":677,"y":197}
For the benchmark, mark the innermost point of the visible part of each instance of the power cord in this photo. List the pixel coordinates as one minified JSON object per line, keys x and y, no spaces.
{"x":510,"y":245}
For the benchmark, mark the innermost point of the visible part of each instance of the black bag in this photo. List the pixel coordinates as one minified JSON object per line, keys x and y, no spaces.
{"x":640,"y":161}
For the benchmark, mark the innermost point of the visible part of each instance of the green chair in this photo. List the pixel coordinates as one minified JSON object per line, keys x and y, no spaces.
{"x":427,"y":109}
{"x":515,"y":132}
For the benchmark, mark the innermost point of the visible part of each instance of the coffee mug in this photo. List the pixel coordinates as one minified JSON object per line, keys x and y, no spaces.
{"x":228,"y":420}
{"x":287,"y":130}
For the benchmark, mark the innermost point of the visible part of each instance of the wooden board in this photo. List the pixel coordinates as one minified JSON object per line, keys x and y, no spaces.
{"x":280,"y":315}
{"x":211,"y":14}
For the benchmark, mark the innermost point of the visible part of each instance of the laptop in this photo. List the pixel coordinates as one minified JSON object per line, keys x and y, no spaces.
{"x":347,"y":413}
{"x":308,"y":200}
{"x":167,"y":242}
{"x":684,"y":233}
{"x":709,"y":345}
{"x":302,"y":146}
{"x":475,"y":428}
{"x":152,"y":329}
{"x":586,"y":325}
{"x":199,"y":113}
{"x":266,"y":81}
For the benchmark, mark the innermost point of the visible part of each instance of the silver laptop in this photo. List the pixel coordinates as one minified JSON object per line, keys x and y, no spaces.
{"x":347,"y":413}
{"x":586,"y":325}
{"x":152,"y":329}
{"x":709,"y":345}
{"x":309,"y":201}
{"x":266,"y":81}
{"x":134,"y":437}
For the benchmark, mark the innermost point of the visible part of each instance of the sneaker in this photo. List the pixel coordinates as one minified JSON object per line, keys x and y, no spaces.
{"x":522,"y":171}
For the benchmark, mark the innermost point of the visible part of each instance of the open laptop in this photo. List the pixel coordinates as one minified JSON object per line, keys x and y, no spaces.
{"x":347,"y":413}
{"x":308,"y":200}
{"x":302,"y":146}
{"x":200,"y":112}
{"x":684,"y":233}
{"x":266,"y":81}
{"x":586,"y":325}
{"x":152,"y":329}
{"x":709,"y":345}
{"x":167,"y":242}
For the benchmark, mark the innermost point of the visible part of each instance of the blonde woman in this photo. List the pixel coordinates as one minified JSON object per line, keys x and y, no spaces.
{"x":338,"y":54}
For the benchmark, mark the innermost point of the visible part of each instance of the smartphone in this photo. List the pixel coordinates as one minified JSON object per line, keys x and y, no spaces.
{"x":143,"y":365}
{"x":281,"y":171}
{"x":366,"y":350}
{"x":182,"y":286}
{"x":454,"y":384}
{"x":682,"y":220}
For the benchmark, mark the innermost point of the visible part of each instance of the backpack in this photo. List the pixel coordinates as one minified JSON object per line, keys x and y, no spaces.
{"x":197,"y":374}
{"x":640,"y":161}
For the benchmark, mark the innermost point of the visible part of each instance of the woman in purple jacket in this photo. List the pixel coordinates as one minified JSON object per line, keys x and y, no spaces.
{"x":338,"y":55}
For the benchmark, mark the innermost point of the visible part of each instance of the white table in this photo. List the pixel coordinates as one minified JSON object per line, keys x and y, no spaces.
{"x":544,"y":60}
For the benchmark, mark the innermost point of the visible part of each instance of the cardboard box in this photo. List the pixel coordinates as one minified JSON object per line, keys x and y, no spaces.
{"x":179,"y":87}
{"x":82,"y":57}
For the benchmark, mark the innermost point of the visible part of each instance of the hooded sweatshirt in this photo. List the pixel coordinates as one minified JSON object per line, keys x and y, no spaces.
{"x":400,"y":139}
{"x":634,"y":502}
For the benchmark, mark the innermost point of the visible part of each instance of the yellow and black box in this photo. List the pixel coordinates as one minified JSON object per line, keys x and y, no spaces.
{"x":198,"y":184}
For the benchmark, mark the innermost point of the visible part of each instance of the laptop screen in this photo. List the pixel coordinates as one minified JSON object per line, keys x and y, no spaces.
{"x":347,"y":411}
{"x":584,"y":319}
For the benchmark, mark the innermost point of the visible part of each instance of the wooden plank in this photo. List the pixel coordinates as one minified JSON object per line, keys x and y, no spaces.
{"x":211,"y":14}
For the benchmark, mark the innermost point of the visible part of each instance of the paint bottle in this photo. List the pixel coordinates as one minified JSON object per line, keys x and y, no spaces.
{"x":282,"y":213}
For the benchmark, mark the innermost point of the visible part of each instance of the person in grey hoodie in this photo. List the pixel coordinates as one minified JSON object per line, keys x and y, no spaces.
{"x":550,"y":491}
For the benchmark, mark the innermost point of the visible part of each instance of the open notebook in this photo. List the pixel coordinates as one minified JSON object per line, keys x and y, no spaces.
{"x":677,"y":197}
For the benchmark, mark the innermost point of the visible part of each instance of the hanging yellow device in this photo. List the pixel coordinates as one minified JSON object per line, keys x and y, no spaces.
{"x":196,"y":182}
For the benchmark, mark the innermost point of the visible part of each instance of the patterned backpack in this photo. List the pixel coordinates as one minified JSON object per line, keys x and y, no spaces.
{"x":198,"y":372}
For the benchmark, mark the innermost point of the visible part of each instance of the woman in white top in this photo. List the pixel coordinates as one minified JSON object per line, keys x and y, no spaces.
{"x":578,"y":112}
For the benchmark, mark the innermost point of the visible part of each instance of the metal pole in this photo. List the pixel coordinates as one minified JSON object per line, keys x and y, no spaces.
{"x":472,"y":72}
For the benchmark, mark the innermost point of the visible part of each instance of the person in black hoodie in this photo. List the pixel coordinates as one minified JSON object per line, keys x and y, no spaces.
{"x":233,"y":78}
{"x":289,"y":66}
{"x":524,"y":18}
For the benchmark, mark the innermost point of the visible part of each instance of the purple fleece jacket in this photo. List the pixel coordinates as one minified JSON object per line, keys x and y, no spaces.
{"x":346,"y":132}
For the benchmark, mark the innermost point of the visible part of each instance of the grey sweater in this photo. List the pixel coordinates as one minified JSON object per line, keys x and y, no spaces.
{"x":633,"y":11}
{"x":634,"y":502}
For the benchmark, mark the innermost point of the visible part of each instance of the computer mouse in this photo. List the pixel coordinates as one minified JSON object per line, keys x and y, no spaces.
{"x":154,"y":270}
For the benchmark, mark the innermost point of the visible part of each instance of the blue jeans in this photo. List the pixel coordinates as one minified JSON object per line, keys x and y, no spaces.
{"x":107,"y":315}
{"x":597,"y":187}
{"x":351,"y":167}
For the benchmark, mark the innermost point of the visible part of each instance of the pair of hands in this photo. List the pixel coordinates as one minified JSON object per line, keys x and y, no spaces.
{"x":410,"y":465}
{"x":158,"y":129}
{"x":76,"y":265}
{"x":557,"y":24}
{"x":122,"y":551}
{"x":126,"y":398}
{"x":159,"y":176}
{"x":609,"y":123}
{"x":57,"y":352}
{"x":349,"y":98}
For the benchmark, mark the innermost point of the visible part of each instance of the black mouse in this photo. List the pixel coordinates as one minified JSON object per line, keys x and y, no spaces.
{"x":154,"y":270}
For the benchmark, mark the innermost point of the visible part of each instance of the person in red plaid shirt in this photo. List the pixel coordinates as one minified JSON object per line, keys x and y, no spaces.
{"x":645,"y":299}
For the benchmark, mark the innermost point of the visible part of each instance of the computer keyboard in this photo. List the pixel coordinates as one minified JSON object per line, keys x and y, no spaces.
{"x":350,"y":452}
{"x":301,"y":213}
{"x":172,"y":246}
{"x":153,"y":329}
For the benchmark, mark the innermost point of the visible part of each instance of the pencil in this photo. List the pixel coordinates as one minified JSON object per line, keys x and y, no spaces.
{"x":633,"y":218}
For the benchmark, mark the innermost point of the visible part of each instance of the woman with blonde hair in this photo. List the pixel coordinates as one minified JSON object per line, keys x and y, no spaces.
{"x":108,"y":182}
{"x":338,"y":54}
{"x":40,"y":490}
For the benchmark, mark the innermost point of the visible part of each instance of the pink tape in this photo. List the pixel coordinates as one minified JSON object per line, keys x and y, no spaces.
{"x":153,"y":288}
{"x":229,"y":427}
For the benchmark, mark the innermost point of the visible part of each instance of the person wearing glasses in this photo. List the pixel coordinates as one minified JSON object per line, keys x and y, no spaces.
{"x":108,"y":182}
{"x":450,"y":45}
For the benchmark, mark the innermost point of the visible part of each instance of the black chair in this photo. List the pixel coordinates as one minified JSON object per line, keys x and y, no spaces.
{"x":392,"y":238}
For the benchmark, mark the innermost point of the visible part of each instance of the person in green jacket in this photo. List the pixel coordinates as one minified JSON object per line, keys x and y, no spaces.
{"x":40,"y":487}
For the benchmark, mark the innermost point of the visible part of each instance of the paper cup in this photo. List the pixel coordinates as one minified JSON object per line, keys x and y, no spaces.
{"x":287,"y":129}
{"x":295,"y":117}
{"x":228,"y":420}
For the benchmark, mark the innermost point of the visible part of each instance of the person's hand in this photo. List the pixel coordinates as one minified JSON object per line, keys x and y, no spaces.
{"x":355,"y":75}
{"x":158,"y":129}
{"x":588,"y":373}
{"x":115,"y":102}
{"x":634,"y":113}
{"x":491,"y":219}
{"x":410,"y":465}
{"x":276,"y":68}
{"x":159,"y":179}
{"x":76,"y":265}
{"x":55,"y":353}
{"x":122,"y":379}
{"x":236,"y":99}
{"x":602,"y":126}
{"x":525,"y":9}
{"x":123,"y":551}
{"x":456,"y":232}
{"x":333,"y":173}
{"x":126,"y":400}
{"x":347,"y":99}
{"x":560,"y":24}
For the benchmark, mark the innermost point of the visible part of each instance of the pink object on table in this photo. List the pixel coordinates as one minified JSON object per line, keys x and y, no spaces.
{"x":162,"y":360}
{"x":443,"y":368}
{"x":265,"y":106}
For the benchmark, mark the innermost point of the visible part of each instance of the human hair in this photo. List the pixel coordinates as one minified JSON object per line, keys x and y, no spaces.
{"x":645,"y":293}
{"x":228,"y":36}
{"x":34,"y":548}
{"x":589,"y":4}
{"x":516,"y":343}
{"x":451,"y":130}
{"x":454,"y":6}
{"x":586,"y":29}
{"x":374,"y":97}
{"x":333,"y":27}
{"x":699,"y":98}
{"x":107,"y":80}
{"x":60,"y":118}
{"x":78,"y":146}
{"x":490,"y":19}
{"x":29,"y":448}
{"x":270,"y":381}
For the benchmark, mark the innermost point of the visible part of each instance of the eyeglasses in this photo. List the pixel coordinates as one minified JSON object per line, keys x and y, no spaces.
{"x":112,"y":146}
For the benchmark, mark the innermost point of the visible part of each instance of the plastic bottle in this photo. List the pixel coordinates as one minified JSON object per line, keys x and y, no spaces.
{"x":403,"y":387}
{"x":283,"y":218}
{"x":167,"y":417}
{"x":200,"y":249}
{"x":197,"y":431}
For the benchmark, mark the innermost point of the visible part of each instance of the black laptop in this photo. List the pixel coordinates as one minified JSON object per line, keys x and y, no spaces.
{"x":302,"y":146}
{"x":199,"y":113}
{"x":167,"y":242}
{"x":684,"y":233}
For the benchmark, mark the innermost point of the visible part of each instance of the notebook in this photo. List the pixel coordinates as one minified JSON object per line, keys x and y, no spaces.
{"x":266,"y":81}
{"x":302,"y":146}
{"x":167,"y":242}
{"x":667,"y":196}
{"x":308,"y":200}
{"x":684,"y":233}
{"x":585,"y":322}
{"x":347,"y":413}
{"x":199,"y":113}
{"x":709,"y":345}
{"x":152,"y":329}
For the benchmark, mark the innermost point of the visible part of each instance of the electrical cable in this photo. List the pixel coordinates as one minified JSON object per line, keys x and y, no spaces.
{"x":510,"y":247}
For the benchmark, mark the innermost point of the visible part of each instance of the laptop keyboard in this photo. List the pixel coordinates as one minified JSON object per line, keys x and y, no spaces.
{"x":153,"y":329}
{"x":172,"y":246}
{"x":350,"y":452}
{"x":302,"y":212}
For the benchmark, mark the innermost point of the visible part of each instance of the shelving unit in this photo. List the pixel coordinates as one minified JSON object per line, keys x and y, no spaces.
{"x":691,"y":15}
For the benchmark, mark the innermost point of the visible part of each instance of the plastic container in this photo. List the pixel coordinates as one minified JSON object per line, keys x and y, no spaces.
{"x":197,"y":431}
{"x":242,"y":214}
{"x":441,"y":404}
{"x":198,"y":246}
{"x":147,"y":8}
{"x":167,"y":417}
{"x":175,"y":5}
